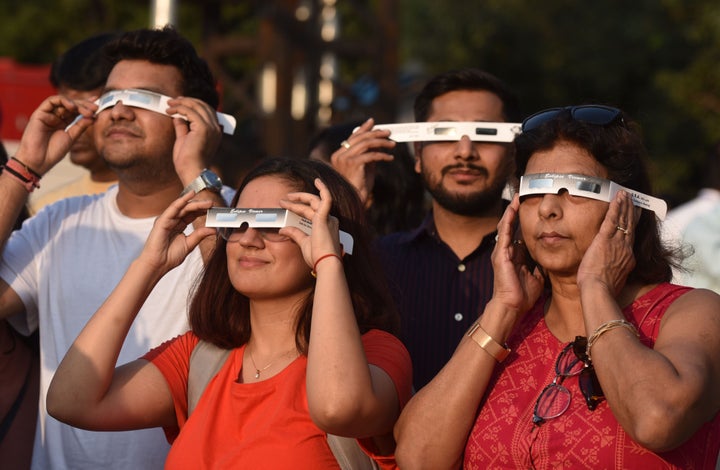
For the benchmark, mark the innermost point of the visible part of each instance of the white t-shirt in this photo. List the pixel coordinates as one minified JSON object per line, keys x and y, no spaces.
{"x":63,"y":263}
{"x":696,"y":224}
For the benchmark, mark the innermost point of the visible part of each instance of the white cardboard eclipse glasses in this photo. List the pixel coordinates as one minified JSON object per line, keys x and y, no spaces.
{"x":452,"y":131}
{"x":587,"y":186}
{"x":236,"y":217}
{"x":151,"y":101}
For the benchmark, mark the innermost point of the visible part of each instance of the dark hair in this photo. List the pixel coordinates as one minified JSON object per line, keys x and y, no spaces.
{"x":84,"y":66}
{"x":398,"y":194}
{"x":619,"y":148}
{"x":167,"y":47}
{"x":221,"y":315}
{"x":468,"y":79}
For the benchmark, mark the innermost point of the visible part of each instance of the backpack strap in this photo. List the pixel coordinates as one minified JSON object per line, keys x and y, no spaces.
{"x":206,"y":360}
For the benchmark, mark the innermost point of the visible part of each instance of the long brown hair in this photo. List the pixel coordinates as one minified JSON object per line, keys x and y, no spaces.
{"x":221,"y":315}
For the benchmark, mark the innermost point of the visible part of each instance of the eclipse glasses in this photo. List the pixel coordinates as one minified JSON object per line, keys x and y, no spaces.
{"x":153,"y":102}
{"x":235,"y":217}
{"x":587,"y":186}
{"x":452,"y":131}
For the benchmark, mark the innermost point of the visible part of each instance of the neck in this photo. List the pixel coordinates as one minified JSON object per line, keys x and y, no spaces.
{"x":563,"y":312}
{"x":272,"y":323}
{"x":146,"y":199}
{"x":463,"y":233}
{"x":102,"y":175}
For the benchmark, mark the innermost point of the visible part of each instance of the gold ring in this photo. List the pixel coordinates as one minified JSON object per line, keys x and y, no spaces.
{"x":345,"y":144}
{"x":622,"y":229}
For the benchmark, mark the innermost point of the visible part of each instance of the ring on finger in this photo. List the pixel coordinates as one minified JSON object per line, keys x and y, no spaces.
{"x":345,"y":144}
{"x":623,"y":230}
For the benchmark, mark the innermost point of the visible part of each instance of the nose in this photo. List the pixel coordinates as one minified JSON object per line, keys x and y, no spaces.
{"x":120,"y":111}
{"x":465,"y":149}
{"x":248,"y":238}
{"x":550,"y":206}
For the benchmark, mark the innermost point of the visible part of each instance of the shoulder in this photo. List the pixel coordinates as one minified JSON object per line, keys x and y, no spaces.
{"x":387,"y":352}
{"x":697,"y":301}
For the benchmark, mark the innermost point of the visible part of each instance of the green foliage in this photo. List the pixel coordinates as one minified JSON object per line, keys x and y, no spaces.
{"x":659,"y":60}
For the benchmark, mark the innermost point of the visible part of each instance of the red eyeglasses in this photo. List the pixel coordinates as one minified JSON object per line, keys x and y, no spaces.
{"x":555,"y":398}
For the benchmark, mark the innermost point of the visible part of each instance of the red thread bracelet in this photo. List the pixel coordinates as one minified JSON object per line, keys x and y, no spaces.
{"x":29,"y":178}
{"x":328,"y":255}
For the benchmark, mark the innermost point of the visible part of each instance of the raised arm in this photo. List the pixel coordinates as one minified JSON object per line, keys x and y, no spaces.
{"x":43,"y":144}
{"x":433,"y":428}
{"x":87,"y":390}
{"x":660,"y":396}
{"x":346,"y":395}
{"x":196,"y":141}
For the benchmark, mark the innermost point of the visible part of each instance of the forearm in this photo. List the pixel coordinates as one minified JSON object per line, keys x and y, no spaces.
{"x":14,"y":196}
{"x":85,"y":374}
{"x":434,"y":426}
{"x":659,"y":395}
{"x":339,"y":384}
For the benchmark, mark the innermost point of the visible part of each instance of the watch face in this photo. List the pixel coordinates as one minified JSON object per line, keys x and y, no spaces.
{"x":213,"y":181}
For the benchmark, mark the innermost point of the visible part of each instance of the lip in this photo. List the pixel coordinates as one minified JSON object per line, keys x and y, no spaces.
{"x":119,"y":131}
{"x":251,"y":262}
{"x":551,"y":237}
{"x":465,"y":174}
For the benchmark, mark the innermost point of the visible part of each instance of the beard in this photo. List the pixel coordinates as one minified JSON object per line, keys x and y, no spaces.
{"x":478,"y":203}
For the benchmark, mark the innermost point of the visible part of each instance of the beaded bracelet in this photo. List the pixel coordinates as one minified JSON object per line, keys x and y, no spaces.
{"x":604,"y":328}
{"x":328,"y":255}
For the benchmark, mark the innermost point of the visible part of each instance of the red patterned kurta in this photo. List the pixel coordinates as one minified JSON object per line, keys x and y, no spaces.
{"x":504,"y":436}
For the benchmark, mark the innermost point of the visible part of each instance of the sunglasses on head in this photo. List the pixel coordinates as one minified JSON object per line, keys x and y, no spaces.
{"x":589,"y":113}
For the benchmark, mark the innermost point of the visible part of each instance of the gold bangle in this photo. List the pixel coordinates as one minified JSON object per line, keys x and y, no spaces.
{"x":604,"y":328}
{"x":498,"y":351}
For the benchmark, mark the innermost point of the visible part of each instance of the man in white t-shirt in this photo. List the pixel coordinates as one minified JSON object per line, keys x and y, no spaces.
{"x":60,"y":266}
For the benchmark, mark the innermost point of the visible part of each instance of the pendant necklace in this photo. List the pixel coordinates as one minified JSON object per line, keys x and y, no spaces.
{"x":258,"y":370}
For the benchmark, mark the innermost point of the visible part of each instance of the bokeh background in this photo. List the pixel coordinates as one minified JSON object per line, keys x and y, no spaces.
{"x":288,"y":68}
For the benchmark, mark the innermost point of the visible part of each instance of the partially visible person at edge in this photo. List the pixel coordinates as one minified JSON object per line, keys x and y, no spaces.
{"x":20,"y":379}
{"x":592,"y":359}
{"x":64,"y":261}
{"x":440,"y":272}
{"x":309,"y":329}
{"x":696,"y":225}
{"x":392,"y":192}
{"x":80,"y":74}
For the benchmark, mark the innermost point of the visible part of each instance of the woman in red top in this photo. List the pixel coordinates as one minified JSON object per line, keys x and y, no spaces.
{"x":308,"y":329}
{"x":591,"y":359}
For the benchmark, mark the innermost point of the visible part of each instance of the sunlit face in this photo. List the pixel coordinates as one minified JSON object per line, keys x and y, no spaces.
{"x":558,"y":228}
{"x":259,"y":268}
{"x":465,"y":177}
{"x":130,"y":137}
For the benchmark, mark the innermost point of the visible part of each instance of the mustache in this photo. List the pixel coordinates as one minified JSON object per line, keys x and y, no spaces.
{"x":126,"y":126}
{"x":467,"y":166}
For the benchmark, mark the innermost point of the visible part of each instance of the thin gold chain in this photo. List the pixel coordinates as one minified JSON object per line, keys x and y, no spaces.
{"x":258,"y":370}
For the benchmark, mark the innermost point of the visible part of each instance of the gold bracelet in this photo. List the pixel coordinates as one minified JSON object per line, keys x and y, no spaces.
{"x":604,"y":328}
{"x":498,"y":351}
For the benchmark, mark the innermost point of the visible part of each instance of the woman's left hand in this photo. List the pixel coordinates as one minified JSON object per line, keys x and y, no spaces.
{"x":609,"y":258}
{"x":325,"y":228}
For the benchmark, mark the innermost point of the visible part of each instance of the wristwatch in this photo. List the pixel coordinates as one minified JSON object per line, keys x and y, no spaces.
{"x":207,"y":180}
